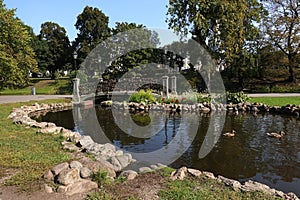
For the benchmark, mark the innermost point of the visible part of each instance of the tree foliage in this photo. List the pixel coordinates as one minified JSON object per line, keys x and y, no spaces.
{"x":93,"y":28}
{"x":221,"y":26}
{"x":58,"y":46}
{"x":40,"y":48}
{"x":282,"y":29}
{"x":16,"y":54}
{"x":131,"y":35}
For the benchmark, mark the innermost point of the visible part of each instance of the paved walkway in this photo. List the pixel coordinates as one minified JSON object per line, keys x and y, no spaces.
{"x":24,"y":98}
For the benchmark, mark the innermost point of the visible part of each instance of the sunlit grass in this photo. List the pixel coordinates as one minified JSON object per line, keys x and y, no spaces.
{"x":24,"y":151}
{"x":276,"y":101}
{"x":203,"y":188}
{"x":42,"y":86}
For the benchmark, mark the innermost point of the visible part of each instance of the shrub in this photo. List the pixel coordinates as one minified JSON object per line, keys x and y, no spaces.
{"x":101,"y":178}
{"x":260,"y":89}
{"x":285,"y":88}
{"x":202,"y":99}
{"x":238,"y":97}
{"x":142,"y":96}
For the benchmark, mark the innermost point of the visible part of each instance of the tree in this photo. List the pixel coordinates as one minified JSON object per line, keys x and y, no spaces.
{"x":282,"y":29}
{"x":16,"y":55}
{"x":58,"y":44}
{"x":93,"y":28}
{"x":131,"y":35}
{"x":40,"y":48}
{"x":222,"y":27}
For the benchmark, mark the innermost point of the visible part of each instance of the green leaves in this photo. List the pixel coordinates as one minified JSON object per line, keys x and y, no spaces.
{"x":282,"y":30}
{"x":57,"y":46}
{"x":93,"y":28}
{"x":142,"y":96}
{"x":221,"y":26}
{"x":16,"y":54}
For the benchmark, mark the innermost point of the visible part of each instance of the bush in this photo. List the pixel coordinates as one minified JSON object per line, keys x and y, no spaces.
{"x":101,"y":178}
{"x":202,"y":99}
{"x":142,"y":96}
{"x":260,"y":89}
{"x":238,"y":97}
{"x":285,"y":88}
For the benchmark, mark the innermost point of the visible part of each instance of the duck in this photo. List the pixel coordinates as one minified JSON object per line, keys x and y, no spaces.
{"x":276,"y":135}
{"x":230,"y":134}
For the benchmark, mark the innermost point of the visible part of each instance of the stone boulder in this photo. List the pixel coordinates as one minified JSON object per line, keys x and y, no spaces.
{"x":235,"y":185}
{"x":129,"y":174}
{"x":68,"y":176}
{"x":194,"y":172}
{"x":60,"y":167}
{"x":81,"y":186}
{"x":179,"y":174}
{"x":99,"y":165}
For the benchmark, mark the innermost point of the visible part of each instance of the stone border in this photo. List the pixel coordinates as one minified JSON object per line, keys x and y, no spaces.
{"x":75,"y":177}
{"x":248,"y":186}
{"x":290,"y":109}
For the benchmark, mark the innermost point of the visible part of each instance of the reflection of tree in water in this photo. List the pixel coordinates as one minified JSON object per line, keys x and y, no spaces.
{"x":169,"y":124}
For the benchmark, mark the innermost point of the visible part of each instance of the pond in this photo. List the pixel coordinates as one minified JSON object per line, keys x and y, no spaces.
{"x":250,"y":154}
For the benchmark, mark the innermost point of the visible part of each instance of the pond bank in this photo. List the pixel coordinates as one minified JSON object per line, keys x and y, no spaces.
{"x":84,"y":143}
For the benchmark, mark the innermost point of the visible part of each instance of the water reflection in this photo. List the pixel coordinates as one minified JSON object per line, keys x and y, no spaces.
{"x":248,"y":155}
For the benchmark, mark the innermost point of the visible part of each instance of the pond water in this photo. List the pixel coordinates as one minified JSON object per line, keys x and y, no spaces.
{"x":250,"y":154}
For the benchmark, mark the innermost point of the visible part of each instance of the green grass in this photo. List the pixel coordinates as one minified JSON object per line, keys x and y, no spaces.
{"x":276,"y":101}
{"x":203,"y":188}
{"x":42,"y":86}
{"x":196,"y":188}
{"x":25,"y":152}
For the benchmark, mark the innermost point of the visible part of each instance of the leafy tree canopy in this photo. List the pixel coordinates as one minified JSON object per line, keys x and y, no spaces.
{"x":58,"y":44}
{"x":93,"y":28}
{"x":220,"y":26}
{"x":282,"y":30}
{"x":16,"y":54}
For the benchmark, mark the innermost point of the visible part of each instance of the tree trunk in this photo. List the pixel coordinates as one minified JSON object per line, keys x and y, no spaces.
{"x":241,"y":79}
{"x":292,"y":77}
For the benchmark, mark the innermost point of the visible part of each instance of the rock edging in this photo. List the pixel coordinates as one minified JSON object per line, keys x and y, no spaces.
{"x":205,"y":107}
{"x":74,"y":177}
{"x":250,"y":185}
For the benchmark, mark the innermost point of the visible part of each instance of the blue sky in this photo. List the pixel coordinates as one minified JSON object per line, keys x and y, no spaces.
{"x":151,"y":13}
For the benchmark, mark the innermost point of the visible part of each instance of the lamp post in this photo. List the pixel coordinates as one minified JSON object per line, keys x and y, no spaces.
{"x":76,"y":95}
{"x":75,"y":55}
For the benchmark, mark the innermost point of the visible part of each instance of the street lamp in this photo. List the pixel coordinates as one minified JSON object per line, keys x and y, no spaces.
{"x":75,"y":55}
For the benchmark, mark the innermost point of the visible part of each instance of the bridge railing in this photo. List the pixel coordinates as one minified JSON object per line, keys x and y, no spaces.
{"x":127,"y":84}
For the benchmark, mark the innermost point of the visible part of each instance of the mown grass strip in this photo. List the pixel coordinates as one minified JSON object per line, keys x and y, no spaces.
{"x":42,"y":87}
{"x":25,"y":152}
{"x":276,"y":101}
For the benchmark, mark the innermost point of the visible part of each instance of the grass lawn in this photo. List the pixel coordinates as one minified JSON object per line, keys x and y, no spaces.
{"x":42,"y":86}
{"x":145,"y":184}
{"x":24,"y":152}
{"x":276,"y":101}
